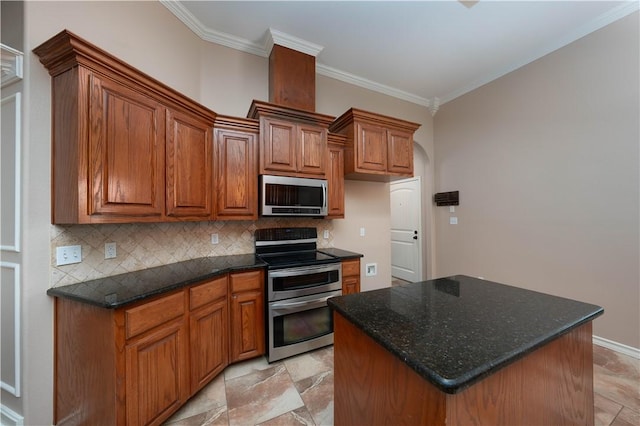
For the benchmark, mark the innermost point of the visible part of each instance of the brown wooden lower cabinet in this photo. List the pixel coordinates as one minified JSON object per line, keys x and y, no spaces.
{"x":552,"y":385}
{"x":247,"y":315}
{"x":138,"y":364}
{"x":208,"y":331}
{"x":350,"y":276}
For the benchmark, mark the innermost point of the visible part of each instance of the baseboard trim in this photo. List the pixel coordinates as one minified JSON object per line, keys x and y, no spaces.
{"x":7,"y":414}
{"x":618,"y":347}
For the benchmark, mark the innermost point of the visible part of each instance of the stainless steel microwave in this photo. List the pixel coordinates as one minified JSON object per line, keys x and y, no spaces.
{"x":292,"y":196}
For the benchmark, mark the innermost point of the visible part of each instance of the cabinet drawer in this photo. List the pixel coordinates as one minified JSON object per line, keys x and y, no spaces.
{"x":351,"y":267}
{"x":244,"y":281}
{"x":152,"y":314}
{"x":208,"y":292}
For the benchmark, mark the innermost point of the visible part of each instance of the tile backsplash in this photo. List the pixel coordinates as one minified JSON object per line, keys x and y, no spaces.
{"x":145,"y":245}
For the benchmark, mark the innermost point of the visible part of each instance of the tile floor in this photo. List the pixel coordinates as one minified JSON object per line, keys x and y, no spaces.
{"x":299,"y":391}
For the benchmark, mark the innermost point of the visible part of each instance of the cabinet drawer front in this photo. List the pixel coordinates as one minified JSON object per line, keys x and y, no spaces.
{"x":350,"y":267}
{"x":149,"y":315}
{"x":244,"y":281}
{"x":208,"y":292}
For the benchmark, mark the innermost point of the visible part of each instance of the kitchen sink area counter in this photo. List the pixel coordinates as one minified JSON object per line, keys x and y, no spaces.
{"x":119,"y":290}
{"x":458,"y":349}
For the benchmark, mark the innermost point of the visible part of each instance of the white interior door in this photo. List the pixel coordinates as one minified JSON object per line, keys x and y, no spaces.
{"x":406,"y":230}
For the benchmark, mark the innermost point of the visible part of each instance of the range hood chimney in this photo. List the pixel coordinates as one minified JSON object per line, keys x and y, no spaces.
{"x":292,"y":72}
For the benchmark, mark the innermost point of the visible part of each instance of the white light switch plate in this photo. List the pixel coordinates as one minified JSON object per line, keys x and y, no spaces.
{"x":67,"y":255}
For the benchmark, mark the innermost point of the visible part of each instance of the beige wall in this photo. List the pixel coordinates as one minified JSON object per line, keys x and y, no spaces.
{"x":546,"y":160}
{"x":149,"y":37}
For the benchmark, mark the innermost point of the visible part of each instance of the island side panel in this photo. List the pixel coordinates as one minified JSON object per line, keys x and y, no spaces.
{"x":552,"y":385}
{"x":372,"y":386}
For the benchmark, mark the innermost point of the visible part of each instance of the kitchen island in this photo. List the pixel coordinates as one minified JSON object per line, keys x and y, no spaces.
{"x":462,"y":351}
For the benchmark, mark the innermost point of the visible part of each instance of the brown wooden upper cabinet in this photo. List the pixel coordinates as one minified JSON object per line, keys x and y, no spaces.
{"x":335,"y":176}
{"x":125,"y":148}
{"x":236,"y":168}
{"x":377,"y":147}
{"x":292,"y":142}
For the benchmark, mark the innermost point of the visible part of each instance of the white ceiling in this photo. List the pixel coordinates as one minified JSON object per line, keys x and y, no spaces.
{"x":414,"y":50}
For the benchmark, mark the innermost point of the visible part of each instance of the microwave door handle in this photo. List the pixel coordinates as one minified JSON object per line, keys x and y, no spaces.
{"x":324,"y":196}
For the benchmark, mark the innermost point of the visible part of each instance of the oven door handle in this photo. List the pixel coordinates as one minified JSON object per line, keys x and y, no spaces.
{"x":295,"y":305}
{"x":303,"y":270}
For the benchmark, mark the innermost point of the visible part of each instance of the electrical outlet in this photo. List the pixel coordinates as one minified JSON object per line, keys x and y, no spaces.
{"x":371,"y":269}
{"x":109,"y":250}
{"x":326,"y":234}
{"x":453,"y":220}
{"x":67,"y":255}
{"x":362,"y":232}
{"x":214,"y":239}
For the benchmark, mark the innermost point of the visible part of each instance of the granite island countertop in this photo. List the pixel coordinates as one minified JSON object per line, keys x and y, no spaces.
{"x":457,"y":330}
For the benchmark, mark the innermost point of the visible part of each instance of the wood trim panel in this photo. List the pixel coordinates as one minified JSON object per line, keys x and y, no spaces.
{"x":372,"y":386}
{"x":84,"y":365}
{"x":292,"y":78}
{"x":551,"y":386}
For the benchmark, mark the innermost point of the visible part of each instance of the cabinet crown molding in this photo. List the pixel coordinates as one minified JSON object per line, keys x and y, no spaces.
{"x":371,"y":117}
{"x":261,"y":108}
{"x":66,"y":50}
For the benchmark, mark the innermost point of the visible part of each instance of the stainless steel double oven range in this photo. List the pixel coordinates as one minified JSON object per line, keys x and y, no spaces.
{"x":299,"y":281}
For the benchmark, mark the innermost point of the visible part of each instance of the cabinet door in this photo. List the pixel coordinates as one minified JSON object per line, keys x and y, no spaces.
{"x":188,"y":166}
{"x":312,"y":150}
{"x":371,"y":147}
{"x":156,"y":376}
{"x":336,"y":182}
{"x":236,"y":175}
{"x":208,"y":329}
{"x":278,"y":148}
{"x":126,"y":151}
{"x":350,"y":285}
{"x":400,"y":152}
{"x":350,"y":276}
{"x":247,"y":315}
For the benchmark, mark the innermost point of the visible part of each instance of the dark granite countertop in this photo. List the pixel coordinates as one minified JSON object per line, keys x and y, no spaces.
{"x":342,"y":254}
{"x":119,"y":290}
{"x":454,"y":331}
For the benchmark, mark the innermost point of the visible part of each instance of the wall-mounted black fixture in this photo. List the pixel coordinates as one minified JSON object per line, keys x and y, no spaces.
{"x":447,"y":198}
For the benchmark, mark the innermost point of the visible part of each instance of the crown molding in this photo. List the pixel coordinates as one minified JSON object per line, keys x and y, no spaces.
{"x":276,"y":37}
{"x":207,"y":34}
{"x":369,"y":84}
{"x":10,"y":65}
{"x":291,"y":42}
{"x":590,"y":27}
